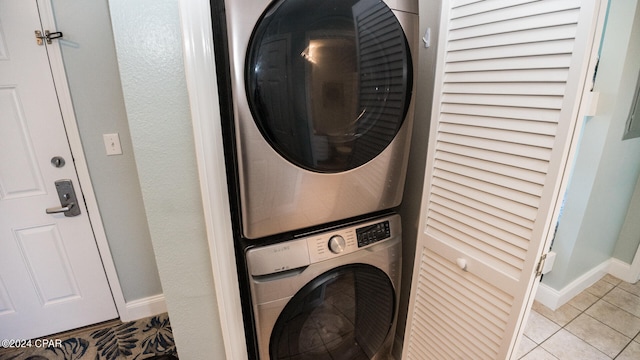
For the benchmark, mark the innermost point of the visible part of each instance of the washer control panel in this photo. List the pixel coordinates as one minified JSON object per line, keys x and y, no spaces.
{"x":298,"y":253}
{"x":343,"y":241}
{"x":327,"y":245}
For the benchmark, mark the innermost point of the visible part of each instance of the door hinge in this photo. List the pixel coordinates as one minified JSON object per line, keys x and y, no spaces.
{"x":540,"y":266}
{"x":47,"y":36}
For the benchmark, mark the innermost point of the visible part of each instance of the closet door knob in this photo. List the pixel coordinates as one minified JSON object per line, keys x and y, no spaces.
{"x":462,"y":264}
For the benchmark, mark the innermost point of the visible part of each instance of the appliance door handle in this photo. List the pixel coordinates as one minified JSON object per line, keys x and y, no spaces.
{"x":280,"y":275}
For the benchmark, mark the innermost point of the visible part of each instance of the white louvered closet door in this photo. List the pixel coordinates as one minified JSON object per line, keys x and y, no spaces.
{"x":509,"y":81}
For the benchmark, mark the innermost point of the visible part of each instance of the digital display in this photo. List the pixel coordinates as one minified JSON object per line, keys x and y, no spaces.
{"x":370,"y":234}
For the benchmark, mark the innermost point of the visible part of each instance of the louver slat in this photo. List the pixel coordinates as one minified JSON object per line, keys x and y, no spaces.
{"x":516,"y":25}
{"x":515,"y":12}
{"x":508,"y":231}
{"x":565,"y":31}
{"x":497,"y":146}
{"x":509,"y":159}
{"x":553,"y":61}
{"x":534,"y":127}
{"x":478,"y":205}
{"x":562,"y":46}
{"x":506,"y":182}
{"x":548,"y":89}
{"x":460,"y":3}
{"x":502,"y":112}
{"x":483,"y":6}
{"x":515,"y":196}
{"x":535,"y":140}
{"x":513,"y":76}
{"x":535,"y":178}
{"x":524,"y":211}
{"x":522,"y":101}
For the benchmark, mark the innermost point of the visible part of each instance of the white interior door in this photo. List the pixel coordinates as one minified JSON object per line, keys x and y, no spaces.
{"x":509,"y":81}
{"x":51,"y":274}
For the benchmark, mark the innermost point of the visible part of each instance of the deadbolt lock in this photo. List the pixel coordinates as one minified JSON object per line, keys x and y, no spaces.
{"x":57,"y":161}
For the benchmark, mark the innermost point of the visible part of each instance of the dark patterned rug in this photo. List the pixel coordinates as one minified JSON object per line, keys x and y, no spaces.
{"x":145,"y":339}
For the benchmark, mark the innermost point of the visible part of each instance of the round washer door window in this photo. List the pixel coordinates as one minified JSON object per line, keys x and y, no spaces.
{"x":328,"y":82}
{"x":346,"y":313}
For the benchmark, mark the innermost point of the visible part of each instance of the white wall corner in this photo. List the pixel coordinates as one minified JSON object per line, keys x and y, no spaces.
{"x":553,"y":299}
{"x":145,"y":307}
{"x":548,"y":296}
{"x":622,"y":271}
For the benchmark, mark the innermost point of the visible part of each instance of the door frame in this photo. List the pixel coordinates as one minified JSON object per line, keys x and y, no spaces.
{"x":202,"y":86}
{"x":75,"y":144}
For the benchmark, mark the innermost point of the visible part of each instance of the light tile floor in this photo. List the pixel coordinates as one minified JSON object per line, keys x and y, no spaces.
{"x":602,"y":322}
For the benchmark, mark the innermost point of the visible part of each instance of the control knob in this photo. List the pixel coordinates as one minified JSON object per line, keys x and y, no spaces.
{"x":337,"y":244}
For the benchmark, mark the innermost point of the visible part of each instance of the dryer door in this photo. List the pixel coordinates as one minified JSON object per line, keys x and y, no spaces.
{"x":328,"y":82}
{"x":345,"y":313}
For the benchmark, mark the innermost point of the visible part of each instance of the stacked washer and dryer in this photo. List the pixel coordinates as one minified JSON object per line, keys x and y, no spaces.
{"x":322,"y":103}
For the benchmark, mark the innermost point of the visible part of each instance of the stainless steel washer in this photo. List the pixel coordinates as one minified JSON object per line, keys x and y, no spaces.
{"x":330,"y":295}
{"x":322,"y":99}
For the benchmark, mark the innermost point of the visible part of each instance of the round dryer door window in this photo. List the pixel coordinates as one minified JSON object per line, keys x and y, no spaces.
{"x":346,"y":313}
{"x":328,"y":82}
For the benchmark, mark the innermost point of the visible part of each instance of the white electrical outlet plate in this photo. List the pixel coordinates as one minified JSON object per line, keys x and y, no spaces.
{"x":112,"y":144}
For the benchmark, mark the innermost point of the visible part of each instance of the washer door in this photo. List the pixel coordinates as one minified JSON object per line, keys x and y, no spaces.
{"x":328,"y":82}
{"x":345,"y":313}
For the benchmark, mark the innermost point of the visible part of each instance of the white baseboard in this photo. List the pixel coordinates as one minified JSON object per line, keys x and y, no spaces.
{"x":548,"y":296}
{"x":622,"y":271}
{"x":553,"y":298}
{"x":145,"y":307}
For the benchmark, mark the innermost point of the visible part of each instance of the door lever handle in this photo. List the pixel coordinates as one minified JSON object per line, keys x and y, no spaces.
{"x":67,"y":197}
{"x":60,"y":209}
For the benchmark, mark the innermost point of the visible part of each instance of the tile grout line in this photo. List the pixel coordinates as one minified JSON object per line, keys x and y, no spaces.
{"x":637,"y":333}
{"x":590,"y":306}
{"x":563,"y":326}
{"x":600,"y":297}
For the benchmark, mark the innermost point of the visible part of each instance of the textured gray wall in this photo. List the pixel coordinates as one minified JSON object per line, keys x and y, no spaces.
{"x":149,"y":47}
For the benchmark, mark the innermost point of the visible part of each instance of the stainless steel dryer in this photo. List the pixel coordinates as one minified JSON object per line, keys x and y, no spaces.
{"x":331,"y":295}
{"x":323,"y":108}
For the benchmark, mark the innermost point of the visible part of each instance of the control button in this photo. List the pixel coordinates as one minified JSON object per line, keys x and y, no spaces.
{"x":337,"y":244}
